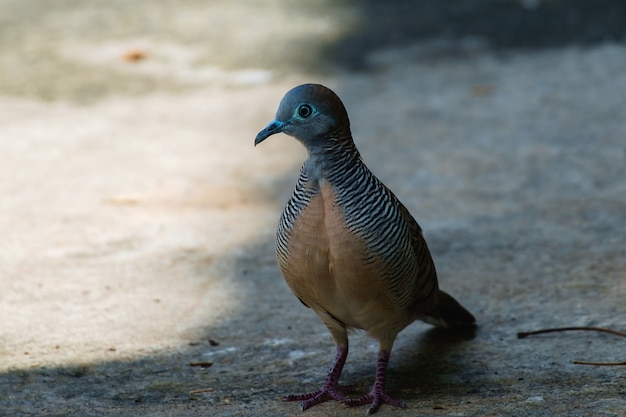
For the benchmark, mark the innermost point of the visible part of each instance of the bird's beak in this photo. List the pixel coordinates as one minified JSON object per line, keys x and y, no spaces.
{"x":275,"y":126}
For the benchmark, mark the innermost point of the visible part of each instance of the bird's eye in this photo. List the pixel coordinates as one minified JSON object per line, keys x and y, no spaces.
{"x":305,"y":111}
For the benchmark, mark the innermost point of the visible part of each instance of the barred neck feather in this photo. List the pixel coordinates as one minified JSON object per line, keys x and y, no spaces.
{"x":335,"y":153}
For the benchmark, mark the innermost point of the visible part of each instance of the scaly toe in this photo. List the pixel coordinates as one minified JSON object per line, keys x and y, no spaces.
{"x":375,"y":400}
{"x":323,"y":394}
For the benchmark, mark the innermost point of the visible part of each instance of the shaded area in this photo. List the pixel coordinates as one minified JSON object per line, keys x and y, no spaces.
{"x":501,"y":24}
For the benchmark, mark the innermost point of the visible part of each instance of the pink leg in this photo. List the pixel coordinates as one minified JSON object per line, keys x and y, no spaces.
{"x":377,"y":394}
{"x":330,"y":389}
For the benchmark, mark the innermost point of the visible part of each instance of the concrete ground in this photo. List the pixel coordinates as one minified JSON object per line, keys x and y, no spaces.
{"x":137,"y":274}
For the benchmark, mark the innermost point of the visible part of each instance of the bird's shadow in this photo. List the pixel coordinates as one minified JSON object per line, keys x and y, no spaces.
{"x":436,"y":361}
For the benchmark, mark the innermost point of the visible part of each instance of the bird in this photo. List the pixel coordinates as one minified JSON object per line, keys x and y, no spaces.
{"x":348,"y":248}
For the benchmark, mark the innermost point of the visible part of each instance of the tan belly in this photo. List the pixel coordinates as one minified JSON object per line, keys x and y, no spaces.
{"x":326,"y":269}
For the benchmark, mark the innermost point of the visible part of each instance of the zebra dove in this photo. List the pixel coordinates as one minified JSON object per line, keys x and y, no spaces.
{"x":346,"y":246}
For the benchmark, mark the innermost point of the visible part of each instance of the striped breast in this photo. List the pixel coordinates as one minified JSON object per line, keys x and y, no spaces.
{"x":346,"y":245}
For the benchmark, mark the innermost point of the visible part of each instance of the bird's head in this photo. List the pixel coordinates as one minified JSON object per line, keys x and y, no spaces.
{"x":311,"y":113}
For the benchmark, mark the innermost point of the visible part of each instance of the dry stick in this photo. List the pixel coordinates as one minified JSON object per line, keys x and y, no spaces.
{"x":199,"y":391}
{"x":522,"y":335}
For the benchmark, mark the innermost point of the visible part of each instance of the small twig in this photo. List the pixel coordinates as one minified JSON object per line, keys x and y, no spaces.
{"x":522,"y":335}
{"x":199,"y":391}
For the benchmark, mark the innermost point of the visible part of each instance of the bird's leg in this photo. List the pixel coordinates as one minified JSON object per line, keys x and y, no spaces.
{"x":377,"y":394}
{"x":331,"y":387}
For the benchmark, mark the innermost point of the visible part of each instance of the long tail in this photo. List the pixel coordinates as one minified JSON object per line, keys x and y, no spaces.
{"x":453,"y":313}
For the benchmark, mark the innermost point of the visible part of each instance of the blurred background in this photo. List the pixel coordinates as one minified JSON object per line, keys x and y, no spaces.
{"x":81,"y":44}
{"x":137,"y":274}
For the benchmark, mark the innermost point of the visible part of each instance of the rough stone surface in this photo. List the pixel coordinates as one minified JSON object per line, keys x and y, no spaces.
{"x":137,"y":274}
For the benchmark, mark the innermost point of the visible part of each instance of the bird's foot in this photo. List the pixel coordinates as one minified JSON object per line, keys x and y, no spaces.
{"x":376,"y":397}
{"x":327,"y":392}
